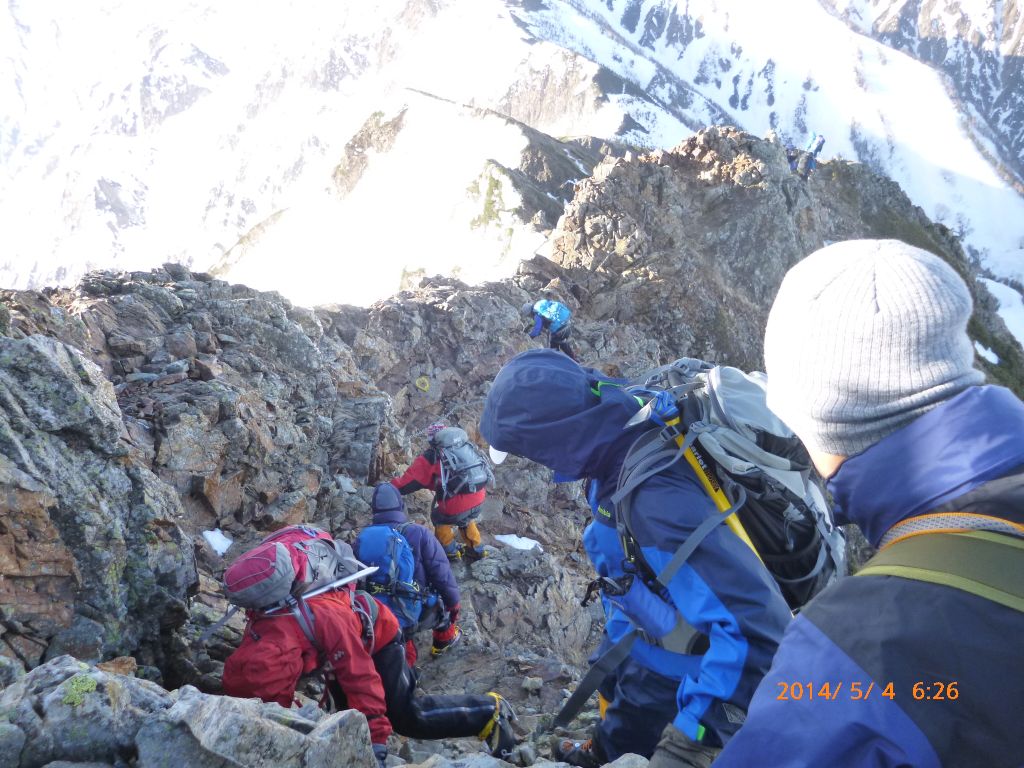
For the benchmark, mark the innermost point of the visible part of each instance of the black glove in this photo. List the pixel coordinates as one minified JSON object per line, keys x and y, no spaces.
{"x":677,"y":750}
{"x":380,"y":751}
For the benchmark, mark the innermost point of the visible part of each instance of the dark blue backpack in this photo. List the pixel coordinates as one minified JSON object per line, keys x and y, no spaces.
{"x":394,"y":583}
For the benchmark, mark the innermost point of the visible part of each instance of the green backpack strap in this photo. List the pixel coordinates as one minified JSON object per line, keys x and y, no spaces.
{"x":990,"y":565}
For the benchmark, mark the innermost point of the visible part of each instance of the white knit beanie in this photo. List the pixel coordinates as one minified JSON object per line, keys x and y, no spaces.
{"x":864,"y":337}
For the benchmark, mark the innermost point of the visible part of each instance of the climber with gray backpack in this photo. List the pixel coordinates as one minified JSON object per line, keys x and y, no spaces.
{"x":305,"y":616}
{"x":708,"y":530}
{"x":458,"y":474}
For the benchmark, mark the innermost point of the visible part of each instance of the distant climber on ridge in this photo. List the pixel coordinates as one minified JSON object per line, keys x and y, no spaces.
{"x":414,"y":578}
{"x":806,"y":161}
{"x":458,"y":474}
{"x":554,"y":317}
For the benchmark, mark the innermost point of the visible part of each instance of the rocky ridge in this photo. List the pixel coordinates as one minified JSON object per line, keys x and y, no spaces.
{"x":140,"y":410}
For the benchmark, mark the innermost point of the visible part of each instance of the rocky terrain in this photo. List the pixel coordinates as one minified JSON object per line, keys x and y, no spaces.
{"x":140,"y":410}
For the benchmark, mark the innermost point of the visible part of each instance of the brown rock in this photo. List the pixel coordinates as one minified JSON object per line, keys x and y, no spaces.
{"x":122,"y":665}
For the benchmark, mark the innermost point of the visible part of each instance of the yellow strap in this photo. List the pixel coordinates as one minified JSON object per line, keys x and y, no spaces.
{"x":494,"y":718}
{"x":979,"y":562}
{"x":714,"y":490}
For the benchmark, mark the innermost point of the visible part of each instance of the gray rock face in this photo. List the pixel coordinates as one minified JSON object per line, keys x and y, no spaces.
{"x":222,"y":732}
{"x":96,"y":563}
{"x":71,"y":711}
{"x":66,"y":712}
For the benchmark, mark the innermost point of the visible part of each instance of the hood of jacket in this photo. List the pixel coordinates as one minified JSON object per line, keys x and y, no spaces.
{"x":545,"y":407}
{"x":970,"y":439}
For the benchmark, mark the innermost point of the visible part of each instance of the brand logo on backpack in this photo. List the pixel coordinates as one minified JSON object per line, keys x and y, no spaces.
{"x":463,"y":467}
{"x":394,"y":583}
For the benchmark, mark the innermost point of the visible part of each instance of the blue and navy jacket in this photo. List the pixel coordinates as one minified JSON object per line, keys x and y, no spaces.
{"x":553,"y":315}
{"x":433,"y":572}
{"x":544,"y":406}
{"x":887,"y":634}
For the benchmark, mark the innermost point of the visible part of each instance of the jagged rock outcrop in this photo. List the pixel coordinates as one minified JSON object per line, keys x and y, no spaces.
{"x":141,"y":410}
{"x":691,"y":244}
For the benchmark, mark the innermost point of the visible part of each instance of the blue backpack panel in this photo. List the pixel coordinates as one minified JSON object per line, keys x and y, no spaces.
{"x":394,"y":583}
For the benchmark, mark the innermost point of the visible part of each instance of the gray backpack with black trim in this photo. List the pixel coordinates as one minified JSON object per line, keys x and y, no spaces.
{"x":464,"y":469}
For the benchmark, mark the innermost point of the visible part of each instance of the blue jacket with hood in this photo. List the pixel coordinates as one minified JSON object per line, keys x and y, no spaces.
{"x":547,"y":408}
{"x":872,"y":638}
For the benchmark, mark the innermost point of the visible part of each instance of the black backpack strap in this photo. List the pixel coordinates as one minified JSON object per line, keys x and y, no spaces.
{"x":598,"y":671}
{"x":990,"y":565}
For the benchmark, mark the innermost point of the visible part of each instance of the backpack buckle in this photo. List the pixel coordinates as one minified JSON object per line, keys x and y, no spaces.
{"x":606,"y":585}
{"x":671,"y":432}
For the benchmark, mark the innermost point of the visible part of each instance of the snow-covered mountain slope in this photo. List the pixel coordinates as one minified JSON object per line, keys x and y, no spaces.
{"x":232,"y":137}
{"x":798,"y":69}
{"x":979,"y":44}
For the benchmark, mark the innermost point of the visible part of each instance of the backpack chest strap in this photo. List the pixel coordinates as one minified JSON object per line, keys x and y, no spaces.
{"x":990,"y":565}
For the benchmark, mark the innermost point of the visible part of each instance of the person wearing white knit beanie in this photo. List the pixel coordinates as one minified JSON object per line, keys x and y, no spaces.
{"x":870,"y":363}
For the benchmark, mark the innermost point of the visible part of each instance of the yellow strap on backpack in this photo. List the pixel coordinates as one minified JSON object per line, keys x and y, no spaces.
{"x":714,"y":489}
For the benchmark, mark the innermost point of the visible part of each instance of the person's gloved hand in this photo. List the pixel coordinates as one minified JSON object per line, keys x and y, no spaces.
{"x":677,"y":750}
{"x":453,"y":614}
{"x":380,"y":751}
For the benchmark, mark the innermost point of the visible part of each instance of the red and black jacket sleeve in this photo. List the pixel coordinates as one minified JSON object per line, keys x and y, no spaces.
{"x":423,"y":473}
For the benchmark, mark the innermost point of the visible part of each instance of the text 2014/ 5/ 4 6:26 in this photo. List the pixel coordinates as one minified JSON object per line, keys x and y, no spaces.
{"x":862,"y":691}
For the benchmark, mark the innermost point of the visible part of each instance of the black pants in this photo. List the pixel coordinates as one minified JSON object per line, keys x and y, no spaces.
{"x":422,"y":717}
{"x":560,"y":340}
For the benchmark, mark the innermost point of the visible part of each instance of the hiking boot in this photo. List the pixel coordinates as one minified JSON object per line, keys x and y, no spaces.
{"x":472,"y":554}
{"x":582,"y":753}
{"x":498,"y":734}
{"x":440,"y":646}
{"x":455,"y":552}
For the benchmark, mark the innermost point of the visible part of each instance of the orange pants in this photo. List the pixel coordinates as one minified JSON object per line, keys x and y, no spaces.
{"x":470,"y":534}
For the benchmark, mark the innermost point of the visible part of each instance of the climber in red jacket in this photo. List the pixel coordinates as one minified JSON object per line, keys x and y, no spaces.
{"x":450,"y":511}
{"x":364,"y":662}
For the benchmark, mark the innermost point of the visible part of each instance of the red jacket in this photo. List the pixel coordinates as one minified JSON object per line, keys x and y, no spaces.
{"x":425,"y":472}
{"x":274,"y":653}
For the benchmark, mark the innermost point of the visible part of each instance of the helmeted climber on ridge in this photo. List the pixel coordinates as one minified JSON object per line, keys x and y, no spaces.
{"x":546,"y":407}
{"x":869,"y":361}
{"x":458,"y":474}
{"x":555,"y":318}
{"x":414,"y":578}
{"x":356,"y":641}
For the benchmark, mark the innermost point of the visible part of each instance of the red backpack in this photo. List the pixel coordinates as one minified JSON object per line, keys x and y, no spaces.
{"x":292,"y":562}
{"x":289,"y":566}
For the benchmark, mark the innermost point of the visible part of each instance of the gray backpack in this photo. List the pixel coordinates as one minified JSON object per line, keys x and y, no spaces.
{"x":463,"y":467}
{"x":716,"y":418}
